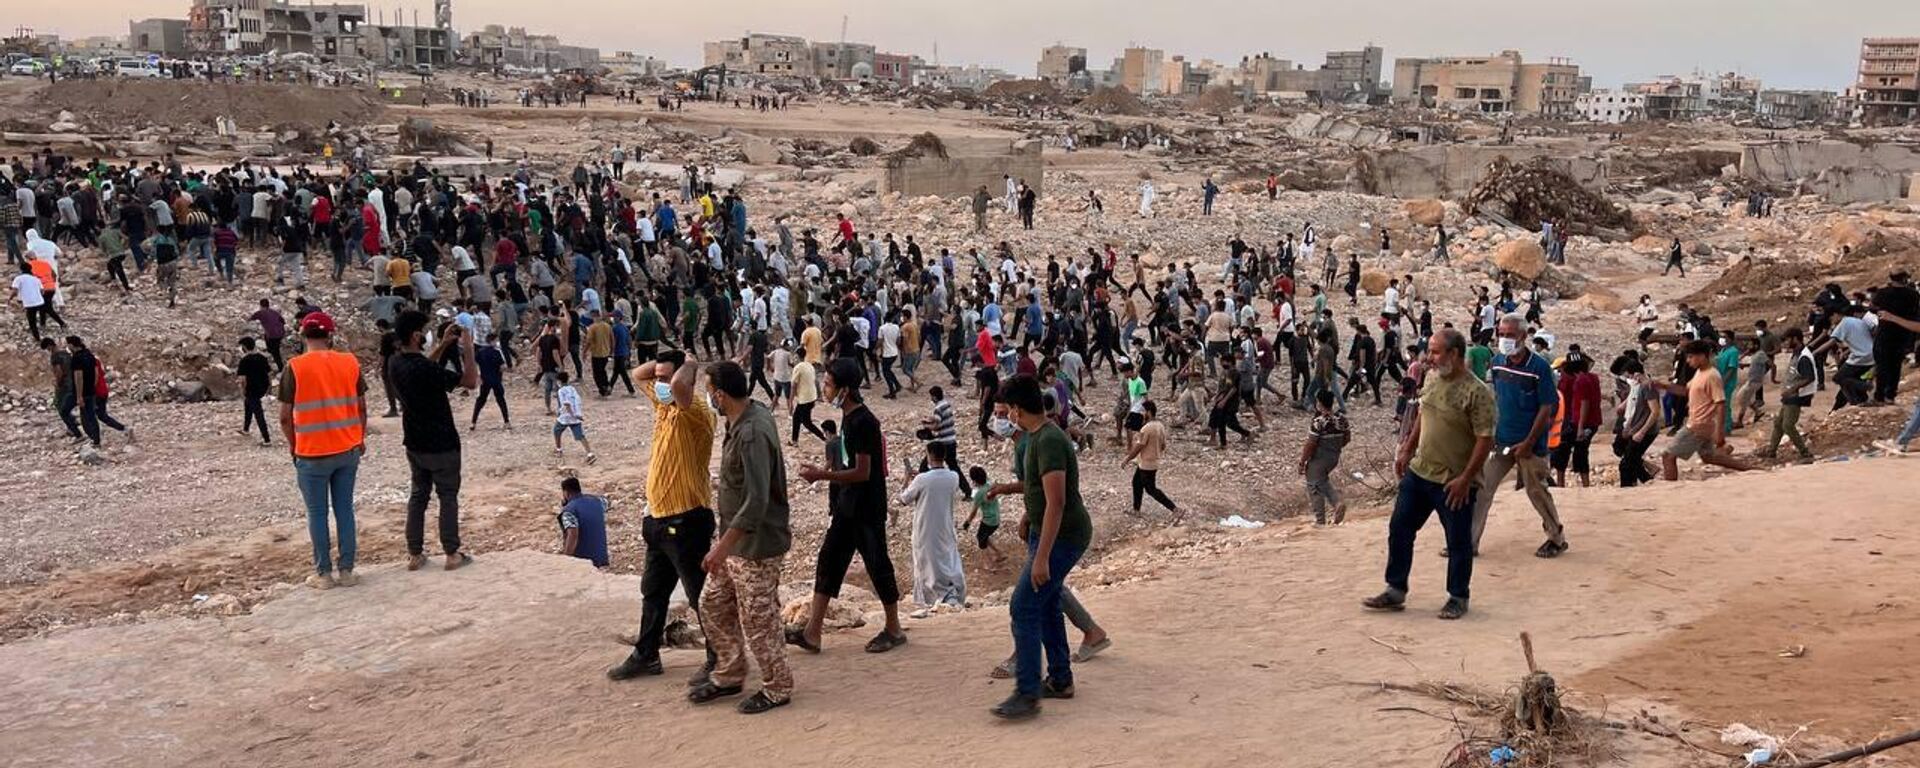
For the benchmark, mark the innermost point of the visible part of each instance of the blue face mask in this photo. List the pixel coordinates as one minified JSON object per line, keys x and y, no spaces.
{"x":663,"y":391}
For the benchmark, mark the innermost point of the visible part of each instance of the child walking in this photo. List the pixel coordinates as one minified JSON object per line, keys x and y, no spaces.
{"x":569,"y":416}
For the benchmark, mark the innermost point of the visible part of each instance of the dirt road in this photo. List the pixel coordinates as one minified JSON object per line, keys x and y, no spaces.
{"x":1674,"y":597}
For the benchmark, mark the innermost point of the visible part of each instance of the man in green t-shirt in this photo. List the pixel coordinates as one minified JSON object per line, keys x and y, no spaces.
{"x":1480,"y":357}
{"x":1058,"y":531}
{"x":1438,"y":463}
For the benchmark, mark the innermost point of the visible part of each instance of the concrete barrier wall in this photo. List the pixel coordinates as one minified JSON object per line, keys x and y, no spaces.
{"x":1788,"y":161}
{"x":1452,"y":170}
{"x":968,"y":166}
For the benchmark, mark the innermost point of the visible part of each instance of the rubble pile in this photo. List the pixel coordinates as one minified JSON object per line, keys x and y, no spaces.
{"x":1534,"y":192}
{"x":112,"y":104}
{"x":1031,"y":92}
{"x":1110,"y":100}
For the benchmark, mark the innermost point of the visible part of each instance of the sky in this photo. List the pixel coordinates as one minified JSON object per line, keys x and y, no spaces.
{"x":1787,"y":43}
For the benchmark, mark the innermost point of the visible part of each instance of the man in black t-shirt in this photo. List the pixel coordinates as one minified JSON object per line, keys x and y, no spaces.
{"x":255,"y":372}
{"x":857,"y":503}
{"x":422,"y":382}
{"x":549,"y":351}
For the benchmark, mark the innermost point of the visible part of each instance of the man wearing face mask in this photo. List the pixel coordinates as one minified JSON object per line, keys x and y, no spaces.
{"x":857,"y":502}
{"x":1524,"y":390}
{"x":678,"y":529}
{"x":1439,"y":464}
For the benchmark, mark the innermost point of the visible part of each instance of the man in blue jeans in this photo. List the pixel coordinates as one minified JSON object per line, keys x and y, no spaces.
{"x":1058,"y":530}
{"x":323,"y":413}
{"x":1438,"y":464}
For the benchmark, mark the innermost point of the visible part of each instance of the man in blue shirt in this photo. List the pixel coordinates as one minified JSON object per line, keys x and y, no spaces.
{"x":583,"y":524}
{"x":1525,"y":399}
{"x":622,"y":351}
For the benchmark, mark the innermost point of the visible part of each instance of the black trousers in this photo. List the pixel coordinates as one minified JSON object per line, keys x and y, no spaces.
{"x":434,"y":474}
{"x":1145,"y":482}
{"x":600,"y":383}
{"x":255,"y":412}
{"x":675,"y":547}
{"x":803,"y":417}
{"x":1418,"y":500}
{"x":865,"y":533}
{"x":273,"y":351}
{"x":498,"y":391}
{"x":620,"y":374}
{"x":1887,"y":359}
{"x":1633,"y":466}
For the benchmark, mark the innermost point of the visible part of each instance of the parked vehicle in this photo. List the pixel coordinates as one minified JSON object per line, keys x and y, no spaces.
{"x":136,"y":68}
{"x":31,"y":67}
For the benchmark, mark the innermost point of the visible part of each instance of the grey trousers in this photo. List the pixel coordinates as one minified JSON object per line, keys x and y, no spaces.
{"x":1320,"y":490}
{"x":1533,"y":472}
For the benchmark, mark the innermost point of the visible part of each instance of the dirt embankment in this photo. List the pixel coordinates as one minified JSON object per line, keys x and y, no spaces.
{"x":109,"y":103}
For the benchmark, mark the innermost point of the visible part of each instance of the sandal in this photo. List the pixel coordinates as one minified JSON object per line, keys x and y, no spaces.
{"x":1086,"y":652}
{"x":711,"y":691}
{"x":1002,"y":671}
{"x":458,"y":560}
{"x":883,"y":642}
{"x":415,"y":562}
{"x":798,"y":638}
{"x":760,"y":702}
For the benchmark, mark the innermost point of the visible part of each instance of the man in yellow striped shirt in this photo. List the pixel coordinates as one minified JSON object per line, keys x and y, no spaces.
{"x":679,"y":526}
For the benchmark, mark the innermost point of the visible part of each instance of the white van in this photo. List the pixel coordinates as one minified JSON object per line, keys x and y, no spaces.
{"x":136,"y":68}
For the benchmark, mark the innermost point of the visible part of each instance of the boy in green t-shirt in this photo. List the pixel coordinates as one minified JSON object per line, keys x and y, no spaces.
{"x":987,"y":508}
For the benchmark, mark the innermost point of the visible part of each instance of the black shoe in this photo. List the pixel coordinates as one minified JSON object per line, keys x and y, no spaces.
{"x":1550,"y":549}
{"x":701,"y":675}
{"x":761,"y":702}
{"x":1454,"y":609}
{"x":1385,"y":601}
{"x":1051,"y":690}
{"x":1017,"y":707}
{"x":634,"y":666}
{"x":711,"y":691}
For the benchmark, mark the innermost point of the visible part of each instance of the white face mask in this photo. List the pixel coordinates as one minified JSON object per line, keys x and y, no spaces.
{"x":1509,"y":347}
{"x":663,"y":391}
{"x":1002,"y":426}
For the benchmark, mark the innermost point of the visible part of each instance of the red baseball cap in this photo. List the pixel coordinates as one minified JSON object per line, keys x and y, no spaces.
{"x":316,"y":322}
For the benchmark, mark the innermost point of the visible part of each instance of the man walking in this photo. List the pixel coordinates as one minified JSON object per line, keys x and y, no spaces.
{"x":323,"y":413}
{"x":678,"y":529}
{"x":421,"y":383}
{"x":740,"y":609}
{"x":1439,"y":463}
{"x":857,"y":498}
{"x":1524,"y":390}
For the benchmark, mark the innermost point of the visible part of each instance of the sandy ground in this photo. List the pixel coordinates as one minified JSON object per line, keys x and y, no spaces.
{"x":1232,"y":658}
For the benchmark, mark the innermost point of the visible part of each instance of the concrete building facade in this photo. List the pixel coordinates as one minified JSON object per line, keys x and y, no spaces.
{"x":167,"y":37}
{"x":1503,"y":83}
{"x":1058,"y":63}
{"x":497,"y":46}
{"x":1888,"y":90}
{"x":894,"y":68}
{"x":843,"y":61}
{"x":1354,"y":74}
{"x":1795,"y":106}
{"x":1610,"y":106}
{"x":762,"y":54}
{"x":405,"y":45}
{"x":1143,"y":71}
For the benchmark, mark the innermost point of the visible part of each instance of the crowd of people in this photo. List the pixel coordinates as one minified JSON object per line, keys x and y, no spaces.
{"x":725,"y":323}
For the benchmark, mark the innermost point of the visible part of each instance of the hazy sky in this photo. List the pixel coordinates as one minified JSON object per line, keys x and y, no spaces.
{"x":1788,"y":43}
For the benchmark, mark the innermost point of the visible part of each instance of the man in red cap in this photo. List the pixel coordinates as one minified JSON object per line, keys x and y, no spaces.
{"x":323,"y":413}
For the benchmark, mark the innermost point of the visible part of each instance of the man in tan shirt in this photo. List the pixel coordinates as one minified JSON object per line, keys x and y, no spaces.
{"x":599,"y":348}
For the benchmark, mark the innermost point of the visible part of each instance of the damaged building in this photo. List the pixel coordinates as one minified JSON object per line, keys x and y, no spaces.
{"x":1501,"y":84}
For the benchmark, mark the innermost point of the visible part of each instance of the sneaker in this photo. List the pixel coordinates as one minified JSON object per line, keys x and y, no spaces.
{"x":320,"y":581}
{"x":633,"y":666}
{"x":1390,"y":600}
{"x":1017,"y":707}
{"x":1891,"y":447}
{"x":1051,"y":690}
{"x":346,"y":578}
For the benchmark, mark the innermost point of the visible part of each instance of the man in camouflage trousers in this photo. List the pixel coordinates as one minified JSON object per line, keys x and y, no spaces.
{"x":741,"y":604}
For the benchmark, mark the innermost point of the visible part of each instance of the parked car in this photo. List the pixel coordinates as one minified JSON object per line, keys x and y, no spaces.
{"x":28,"y":67}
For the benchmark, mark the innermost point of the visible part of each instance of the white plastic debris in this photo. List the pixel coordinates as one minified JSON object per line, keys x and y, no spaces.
{"x":1237,"y":521}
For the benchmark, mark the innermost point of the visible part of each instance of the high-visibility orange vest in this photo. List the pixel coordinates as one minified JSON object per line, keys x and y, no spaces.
{"x":326,"y":403}
{"x":44,"y":271}
{"x":1559,"y":425}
